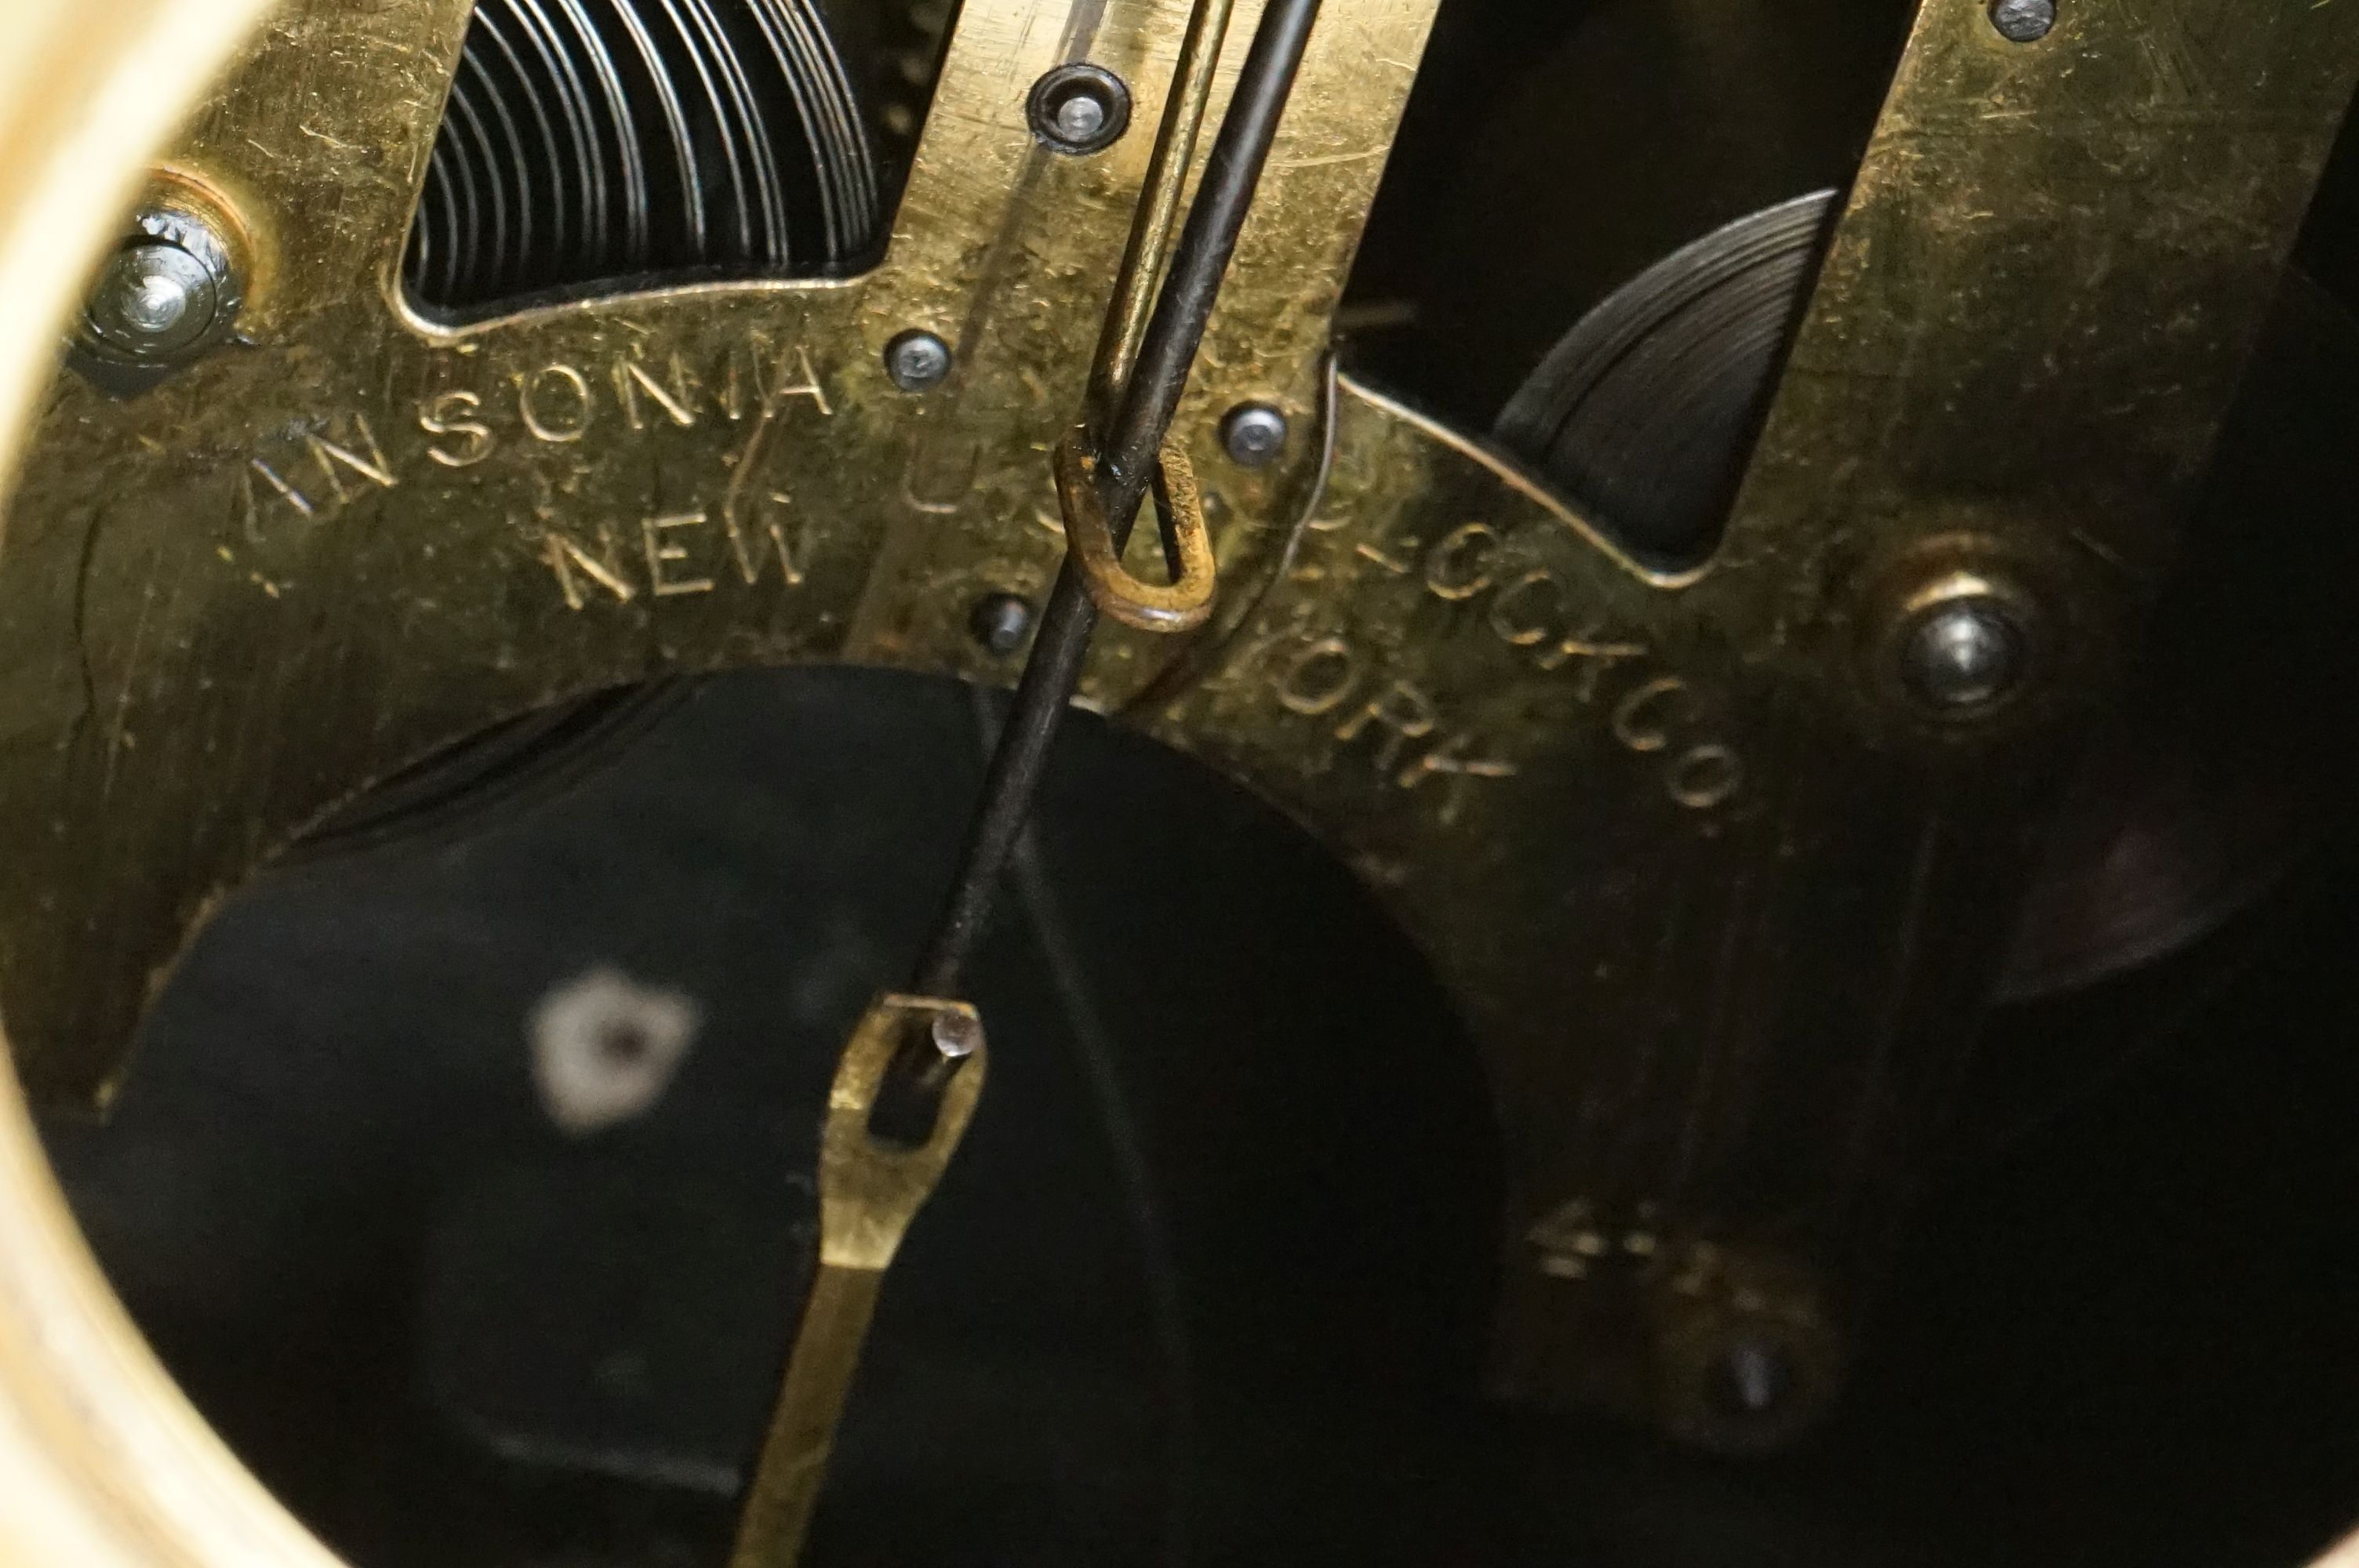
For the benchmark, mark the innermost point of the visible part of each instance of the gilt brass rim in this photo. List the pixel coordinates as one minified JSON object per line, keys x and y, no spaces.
{"x":103,"y":1463}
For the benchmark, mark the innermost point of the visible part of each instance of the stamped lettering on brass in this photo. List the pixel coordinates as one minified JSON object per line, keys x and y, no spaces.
{"x":276,"y":476}
{"x":1704,"y":777}
{"x":633,"y":381}
{"x":940,"y":472}
{"x":1413,"y":744}
{"x":747,"y":536}
{"x":555,"y":404}
{"x":1317,"y":679}
{"x":1539,"y":614}
{"x":1593,"y":656}
{"x":454,"y":414}
{"x":691,"y":551}
{"x":337,"y":462}
{"x":663,"y":578}
{"x":1532,"y":608}
{"x":797,"y":379}
{"x":1458,"y":758}
{"x":572,"y":561}
{"x":789,"y":374}
{"x":560,"y":404}
{"x":1535,"y":611}
{"x":1398,"y":713}
{"x":1457,"y":567}
{"x":1638,"y":718}
{"x":1523,"y":610}
{"x":277,"y":486}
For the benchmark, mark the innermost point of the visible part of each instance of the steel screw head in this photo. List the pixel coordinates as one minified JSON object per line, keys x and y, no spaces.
{"x":1080,"y":117}
{"x":1253,"y":434}
{"x":1079,"y":109}
{"x":2023,"y":21}
{"x":1963,"y":651}
{"x":149,"y":294}
{"x":916,"y":361}
{"x":1001,"y":622}
{"x":166,"y":296}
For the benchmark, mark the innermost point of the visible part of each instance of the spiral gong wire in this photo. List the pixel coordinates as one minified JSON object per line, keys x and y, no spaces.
{"x":594,"y":141}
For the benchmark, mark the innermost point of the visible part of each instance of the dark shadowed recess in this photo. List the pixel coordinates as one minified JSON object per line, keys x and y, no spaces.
{"x":1206,"y":1285}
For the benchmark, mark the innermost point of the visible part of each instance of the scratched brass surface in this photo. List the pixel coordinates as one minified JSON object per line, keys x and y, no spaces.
{"x":103,"y":1463}
{"x":869,"y":1191}
{"x":1717,"y":902}
{"x":296,"y":566}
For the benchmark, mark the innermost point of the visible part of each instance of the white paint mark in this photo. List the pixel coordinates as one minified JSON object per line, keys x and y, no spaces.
{"x":604,"y":1047}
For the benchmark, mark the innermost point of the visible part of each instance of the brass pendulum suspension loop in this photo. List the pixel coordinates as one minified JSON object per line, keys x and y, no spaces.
{"x":1130,"y":437}
{"x":871,"y":1183}
{"x":1186,"y":602}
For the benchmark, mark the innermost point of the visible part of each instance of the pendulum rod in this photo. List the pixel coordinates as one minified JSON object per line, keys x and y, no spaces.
{"x":1143,"y":396}
{"x":909,"y":1076}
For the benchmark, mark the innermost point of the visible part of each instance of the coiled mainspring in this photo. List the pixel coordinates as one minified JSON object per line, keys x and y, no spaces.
{"x":597,"y":142}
